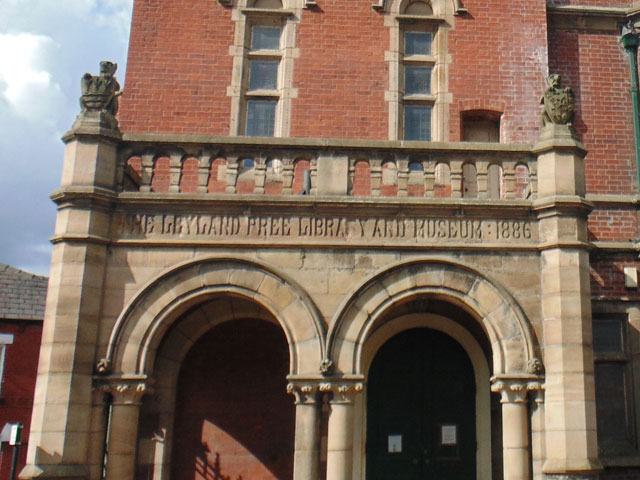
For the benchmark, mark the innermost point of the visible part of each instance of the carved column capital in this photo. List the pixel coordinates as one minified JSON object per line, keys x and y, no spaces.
{"x":515,"y":390}
{"x":345,"y":392}
{"x":128,"y":391}
{"x":304,"y":392}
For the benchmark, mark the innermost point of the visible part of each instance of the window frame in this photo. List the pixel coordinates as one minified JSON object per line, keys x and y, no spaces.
{"x":617,"y":448}
{"x":243,"y":54}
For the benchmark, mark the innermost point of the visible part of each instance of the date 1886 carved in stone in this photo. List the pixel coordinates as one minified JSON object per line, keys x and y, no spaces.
{"x":559,"y":103}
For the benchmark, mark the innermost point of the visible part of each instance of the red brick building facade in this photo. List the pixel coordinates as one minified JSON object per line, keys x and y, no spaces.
{"x":22,"y":298}
{"x":355,"y":202}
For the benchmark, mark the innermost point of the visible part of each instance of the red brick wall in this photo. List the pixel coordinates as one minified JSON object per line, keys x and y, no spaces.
{"x":234,"y":418}
{"x":613,"y":225}
{"x":499,"y":63}
{"x":607,"y":276}
{"x":16,"y":400}
{"x":596,"y":67}
{"x":341,"y":75}
{"x":179,"y":68}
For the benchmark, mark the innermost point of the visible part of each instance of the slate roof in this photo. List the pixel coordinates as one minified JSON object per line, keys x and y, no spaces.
{"x":22,"y":294}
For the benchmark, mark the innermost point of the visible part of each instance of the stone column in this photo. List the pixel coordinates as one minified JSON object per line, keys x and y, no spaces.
{"x":570,"y":416}
{"x":61,"y":426}
{"x":340,"y":431}
{"x":123,"y":429}
{"x":515,"y":425}
{"x":307,"y":440}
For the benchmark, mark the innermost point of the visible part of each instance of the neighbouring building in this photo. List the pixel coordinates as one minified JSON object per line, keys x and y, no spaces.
{"x":22,"y":299}
{"x":349,"y":240}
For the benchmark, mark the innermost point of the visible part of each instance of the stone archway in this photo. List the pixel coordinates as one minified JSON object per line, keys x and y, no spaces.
{"x":513,"y":342}
{"x":148,"y":341}
{"x":143,"y":323}
{"x":355,"y":332}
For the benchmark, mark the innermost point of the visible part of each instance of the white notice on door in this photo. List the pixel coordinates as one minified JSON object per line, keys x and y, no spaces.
{"x":395,"y":443}
{"x":449,"y":435}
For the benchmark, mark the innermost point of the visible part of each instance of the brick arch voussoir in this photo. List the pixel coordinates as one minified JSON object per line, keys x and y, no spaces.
{"x":509,"y":332}
{"x":145,"y":320}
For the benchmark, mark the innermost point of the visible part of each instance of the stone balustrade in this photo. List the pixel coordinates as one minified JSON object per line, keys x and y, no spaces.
{"x":274,"y":166}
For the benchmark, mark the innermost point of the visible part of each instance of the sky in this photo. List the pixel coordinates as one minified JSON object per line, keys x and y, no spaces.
{"x":45,"y":48}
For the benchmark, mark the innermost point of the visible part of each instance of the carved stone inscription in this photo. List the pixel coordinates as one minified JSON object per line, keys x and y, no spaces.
{"x":274,"y":228}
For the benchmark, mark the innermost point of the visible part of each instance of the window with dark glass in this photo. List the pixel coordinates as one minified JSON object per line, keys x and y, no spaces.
{"x":612,"y":380}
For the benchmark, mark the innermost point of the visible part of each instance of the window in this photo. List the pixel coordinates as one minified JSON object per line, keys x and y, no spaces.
{"x":613,"y":385}
{"x":5,"y":339}
{"x":262,"y":93}
{"x":417,"y":66}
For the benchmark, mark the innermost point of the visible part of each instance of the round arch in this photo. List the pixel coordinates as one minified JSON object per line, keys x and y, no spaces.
{"x":143,"y":323}
{"x":513,"y":343}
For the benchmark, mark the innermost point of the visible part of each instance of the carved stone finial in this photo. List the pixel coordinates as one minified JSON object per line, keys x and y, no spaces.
{"x":100,"y":95}
{"x":535,"y":366}
{"x":559,"y":103}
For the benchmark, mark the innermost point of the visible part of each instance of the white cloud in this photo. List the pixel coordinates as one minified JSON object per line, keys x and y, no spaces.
{"x":45,"y":47}
{"x":26,"y":85}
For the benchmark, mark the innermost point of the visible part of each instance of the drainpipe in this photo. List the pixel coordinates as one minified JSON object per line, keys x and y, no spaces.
{"x":629,"y":41}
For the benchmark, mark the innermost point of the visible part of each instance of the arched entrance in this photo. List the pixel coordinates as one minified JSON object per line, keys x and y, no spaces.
{"x":470,"y":307}
{"x":421,"y":418}
{"x":233,"y":416}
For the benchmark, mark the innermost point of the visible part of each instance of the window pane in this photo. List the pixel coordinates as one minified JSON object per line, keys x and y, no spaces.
{"x":417,"y":80}
{"x":265,"y":38}
{"x":607,"y":336}
{"x":263,"y":75}
{"x":417,"y":122}
{"x":610,"y":400}
{"x":261,"y":115}
{"x":417,"y":43}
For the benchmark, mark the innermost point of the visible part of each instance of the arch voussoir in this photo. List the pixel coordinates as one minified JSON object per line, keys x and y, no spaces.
{"x":267,"y":294}
{"x":508,"y":330}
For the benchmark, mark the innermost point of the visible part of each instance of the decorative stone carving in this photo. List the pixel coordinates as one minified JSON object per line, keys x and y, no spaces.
{"x":559,"y":103}
{"x":345,"y":392}
{"x":515,"y":390}
{"x":103,"y":367}
{"x":305,"y":393}
{"x":326,"y":367}
{"x":100,"y":93}
{"x":535,"y":366}
{"x":129,"y":393}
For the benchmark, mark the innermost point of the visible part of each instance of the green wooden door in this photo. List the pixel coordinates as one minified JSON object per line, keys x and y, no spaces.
{"x":421,"y":409}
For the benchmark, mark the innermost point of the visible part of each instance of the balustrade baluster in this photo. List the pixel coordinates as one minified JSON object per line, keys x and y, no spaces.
{"x":204,"y":170}
{"x":509,"y":172}
{"x":232,"y":174}
{"x":376,"y":176}
{"x":456,"y":179}
{"x":175,"y":171}
{"x":146,"y":173}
